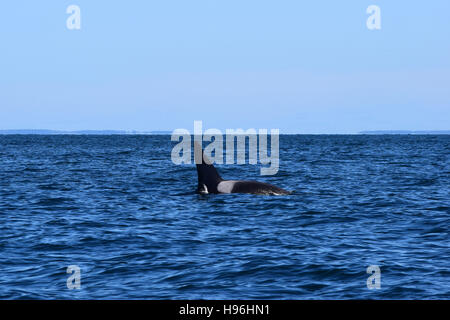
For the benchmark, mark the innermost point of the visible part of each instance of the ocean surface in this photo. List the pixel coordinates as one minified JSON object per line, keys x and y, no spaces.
{"x":120,"y":210}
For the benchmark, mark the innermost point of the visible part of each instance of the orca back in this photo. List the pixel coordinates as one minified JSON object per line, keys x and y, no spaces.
{"x":255,"y":187}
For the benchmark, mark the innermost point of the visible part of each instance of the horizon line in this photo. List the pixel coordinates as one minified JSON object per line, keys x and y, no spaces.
{"x":168,"y":132}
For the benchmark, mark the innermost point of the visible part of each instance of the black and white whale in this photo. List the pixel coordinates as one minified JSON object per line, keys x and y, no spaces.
{"x":209,"y":181}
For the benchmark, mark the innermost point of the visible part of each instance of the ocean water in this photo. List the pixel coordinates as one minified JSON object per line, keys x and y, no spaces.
{"x":120,"y":210}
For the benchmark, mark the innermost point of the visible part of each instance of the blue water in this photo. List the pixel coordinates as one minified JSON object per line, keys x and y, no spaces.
{"x":118,"y":208}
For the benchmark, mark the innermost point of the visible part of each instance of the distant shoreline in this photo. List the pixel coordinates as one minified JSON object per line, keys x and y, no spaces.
{"x":82,"y":132}
{"x":406,"y":132}
{"x":134,"y":132}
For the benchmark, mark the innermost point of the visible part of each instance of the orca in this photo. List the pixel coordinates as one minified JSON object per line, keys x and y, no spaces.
{"x":210,"y":182}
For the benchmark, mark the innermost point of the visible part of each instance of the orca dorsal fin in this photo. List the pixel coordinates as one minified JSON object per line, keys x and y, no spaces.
{"x":208,"y":177}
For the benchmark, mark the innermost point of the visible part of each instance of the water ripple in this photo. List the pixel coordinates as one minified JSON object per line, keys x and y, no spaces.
{"x":119,"y":209}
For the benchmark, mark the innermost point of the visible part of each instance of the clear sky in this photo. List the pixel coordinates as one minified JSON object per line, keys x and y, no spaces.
{"x":299,"y":66}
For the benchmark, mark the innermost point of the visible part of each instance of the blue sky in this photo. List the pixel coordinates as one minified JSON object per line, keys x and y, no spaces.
{"x":299,"y":66}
